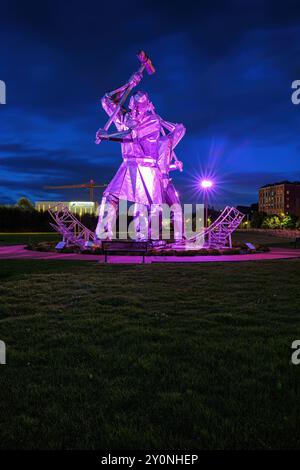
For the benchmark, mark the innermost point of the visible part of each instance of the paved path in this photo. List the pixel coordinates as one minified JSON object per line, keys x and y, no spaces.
{"x":19,"y":252}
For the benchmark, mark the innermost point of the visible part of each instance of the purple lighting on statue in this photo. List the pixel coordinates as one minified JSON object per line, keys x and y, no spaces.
{"x":206,"y":184}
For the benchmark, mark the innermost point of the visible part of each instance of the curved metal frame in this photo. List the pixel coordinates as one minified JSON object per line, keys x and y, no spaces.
{"x":217,"y":235}
{"x":71,"y":229}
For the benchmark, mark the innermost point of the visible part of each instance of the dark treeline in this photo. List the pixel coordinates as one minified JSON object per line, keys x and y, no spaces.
{"x":17,"y":219}
{"x":27,"y":219}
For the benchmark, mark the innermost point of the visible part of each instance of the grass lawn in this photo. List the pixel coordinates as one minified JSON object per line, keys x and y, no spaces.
{"x":239,"y":237}
{"x":149,"y":356}
{"x":262,"y":238}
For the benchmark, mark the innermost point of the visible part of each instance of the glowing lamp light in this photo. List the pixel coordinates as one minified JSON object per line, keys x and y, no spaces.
{"x":206,"y":184}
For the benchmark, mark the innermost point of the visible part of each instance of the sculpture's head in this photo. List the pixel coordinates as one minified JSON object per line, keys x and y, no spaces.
{"x":139,"y":104}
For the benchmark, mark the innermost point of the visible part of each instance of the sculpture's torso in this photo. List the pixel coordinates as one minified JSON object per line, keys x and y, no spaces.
{"x":139,"y":177}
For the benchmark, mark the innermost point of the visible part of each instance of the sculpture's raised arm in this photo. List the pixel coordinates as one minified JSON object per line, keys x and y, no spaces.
{"x":111,"y":100}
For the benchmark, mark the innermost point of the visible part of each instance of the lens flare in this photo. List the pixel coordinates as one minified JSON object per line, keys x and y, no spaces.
{"x":206,"y":184}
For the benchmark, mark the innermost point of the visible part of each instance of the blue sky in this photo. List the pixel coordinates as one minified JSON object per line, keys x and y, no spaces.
{"x":224,"y":70}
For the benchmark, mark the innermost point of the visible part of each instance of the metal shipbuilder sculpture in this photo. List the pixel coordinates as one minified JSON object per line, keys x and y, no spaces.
{"x":147,"y":143}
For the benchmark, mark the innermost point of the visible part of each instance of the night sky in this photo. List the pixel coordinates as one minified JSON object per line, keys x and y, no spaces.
{"x":224,"y":69}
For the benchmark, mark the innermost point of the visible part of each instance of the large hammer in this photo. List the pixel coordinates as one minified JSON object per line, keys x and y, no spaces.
{"x":147,"y":65}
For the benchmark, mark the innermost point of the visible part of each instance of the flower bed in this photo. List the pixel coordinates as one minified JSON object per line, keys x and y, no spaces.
{"x":235,"y":250}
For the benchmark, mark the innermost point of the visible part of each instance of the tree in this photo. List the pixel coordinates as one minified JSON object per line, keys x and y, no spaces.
{"x":257,"y":219}
{"x":18,"y":219}
{"x":25,"y":204}
{"x":271,"y":221}
{"x":288,"y":221}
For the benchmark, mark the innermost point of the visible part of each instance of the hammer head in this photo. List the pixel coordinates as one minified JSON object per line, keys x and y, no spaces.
{"x":144,"y":59}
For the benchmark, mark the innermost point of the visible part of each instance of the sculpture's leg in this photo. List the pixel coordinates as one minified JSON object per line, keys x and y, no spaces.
{"x":140,"y":221}
{"x":106,"y":227}
{"x":177,"y":221}
{"x":173,"y":202}
{"x":155,"y":222}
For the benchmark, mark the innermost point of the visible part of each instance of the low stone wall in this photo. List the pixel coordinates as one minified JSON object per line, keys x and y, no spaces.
{"x":280,"y":232}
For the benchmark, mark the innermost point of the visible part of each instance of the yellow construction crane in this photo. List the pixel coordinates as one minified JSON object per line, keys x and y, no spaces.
{"x":91,"y":185}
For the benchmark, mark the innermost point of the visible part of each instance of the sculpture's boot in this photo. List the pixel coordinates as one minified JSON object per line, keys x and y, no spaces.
{"x":106,"y":227}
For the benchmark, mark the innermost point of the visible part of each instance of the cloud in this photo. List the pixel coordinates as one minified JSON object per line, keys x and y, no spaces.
{"x":225,"y":72}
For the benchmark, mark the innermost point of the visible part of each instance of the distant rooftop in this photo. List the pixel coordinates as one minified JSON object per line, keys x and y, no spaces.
{"x":280,"y":182}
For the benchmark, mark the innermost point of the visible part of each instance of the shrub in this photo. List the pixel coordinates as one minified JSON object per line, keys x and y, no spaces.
{"x":41,"y":246}
{"x":271,"y":221}
{"x":231,"y":251}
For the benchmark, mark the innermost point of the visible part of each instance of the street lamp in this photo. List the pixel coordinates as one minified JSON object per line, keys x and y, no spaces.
{"x":206,"y":185}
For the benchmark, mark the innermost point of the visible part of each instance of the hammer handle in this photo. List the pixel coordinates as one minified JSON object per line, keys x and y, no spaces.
{"x":122,"y":100}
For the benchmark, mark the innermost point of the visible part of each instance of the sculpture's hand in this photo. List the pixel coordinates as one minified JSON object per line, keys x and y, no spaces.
{"x":179,"y":165}
{"x":135,"y":79}
{"x":101,"y":134}
{"x":176,"y":165}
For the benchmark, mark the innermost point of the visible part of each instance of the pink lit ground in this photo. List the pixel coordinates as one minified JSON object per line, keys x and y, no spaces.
{"x":19,"y":252}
